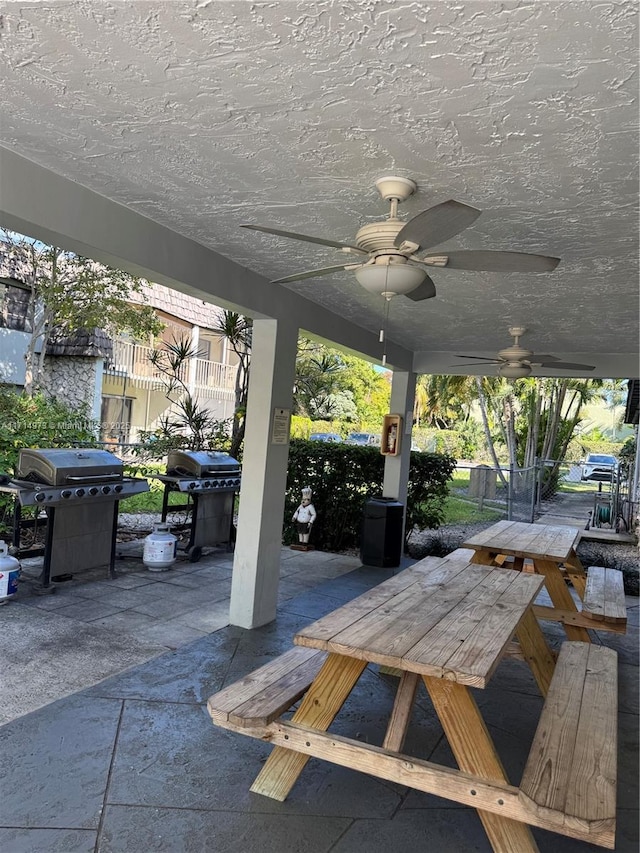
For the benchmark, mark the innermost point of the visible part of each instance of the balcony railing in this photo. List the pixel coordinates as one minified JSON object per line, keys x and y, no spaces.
{"x":208,"y":378}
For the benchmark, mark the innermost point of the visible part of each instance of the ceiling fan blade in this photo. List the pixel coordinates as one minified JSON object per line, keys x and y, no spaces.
{"x":563,"y":365}
{"x":426,"y":290}
{"x":437,"y":224}
{"x":304,"y":237}
{"x":482,"y":358}
{"x":499,"y":261}
{"x":312,"y":273}
{"x":493,"y":363}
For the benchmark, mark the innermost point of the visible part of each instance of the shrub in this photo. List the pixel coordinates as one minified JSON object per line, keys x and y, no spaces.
{"x":36,"y":422}
{"x":343,"y":477}
{"x":39,"y":422}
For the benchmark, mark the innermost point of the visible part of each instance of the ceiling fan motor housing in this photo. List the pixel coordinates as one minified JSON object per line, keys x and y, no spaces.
{"x":515,"y":354}
{"x":378,"y":236}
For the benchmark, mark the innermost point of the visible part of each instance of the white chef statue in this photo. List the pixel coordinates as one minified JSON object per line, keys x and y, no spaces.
{"x":304,"y":517}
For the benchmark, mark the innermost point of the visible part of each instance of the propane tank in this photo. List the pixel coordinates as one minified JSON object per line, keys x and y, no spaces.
{"x":159,"y":549}
{"x":9,"y":573}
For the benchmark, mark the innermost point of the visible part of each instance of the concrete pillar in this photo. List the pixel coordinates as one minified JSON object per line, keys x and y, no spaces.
{"x":396,"y":468}
{"x":256,"y":565}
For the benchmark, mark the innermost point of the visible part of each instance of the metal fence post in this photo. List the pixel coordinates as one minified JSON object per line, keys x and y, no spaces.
{"x":534,"y":491}
{"x":510,"y":495}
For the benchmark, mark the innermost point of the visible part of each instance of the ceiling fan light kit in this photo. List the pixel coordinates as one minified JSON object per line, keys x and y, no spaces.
{"x":514,"y":371}
{"x":390,"y":279}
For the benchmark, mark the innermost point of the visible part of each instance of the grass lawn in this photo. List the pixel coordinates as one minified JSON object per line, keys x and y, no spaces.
{"x":460,"y":509}
{"x":576,"y":488}
{"x":151,"y":501}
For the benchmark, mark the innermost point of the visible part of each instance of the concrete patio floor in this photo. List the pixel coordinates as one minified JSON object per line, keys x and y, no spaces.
{"x":133,"y":763}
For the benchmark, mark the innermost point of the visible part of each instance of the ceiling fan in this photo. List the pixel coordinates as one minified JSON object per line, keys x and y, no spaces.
{"x":387,"y":261}
{"x":514,"y":362}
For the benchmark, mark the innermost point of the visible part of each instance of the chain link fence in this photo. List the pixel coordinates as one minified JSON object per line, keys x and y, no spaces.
{"x":503,"y":492}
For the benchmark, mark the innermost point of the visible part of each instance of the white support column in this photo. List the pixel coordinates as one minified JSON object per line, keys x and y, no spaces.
{"x":193,"y":363}
{"x":256,"y":565}
{"x":396,"y":468}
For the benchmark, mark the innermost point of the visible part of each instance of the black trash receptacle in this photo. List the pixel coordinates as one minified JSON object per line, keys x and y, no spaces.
{"x":381,"y":542}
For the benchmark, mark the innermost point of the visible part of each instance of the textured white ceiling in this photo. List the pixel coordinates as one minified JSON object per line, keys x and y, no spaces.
{"x":205,"y":115}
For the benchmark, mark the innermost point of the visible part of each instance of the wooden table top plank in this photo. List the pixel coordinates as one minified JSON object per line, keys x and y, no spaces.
{"x":527,"y":539}
{"x":485,"y":537}
{"x":554,"y":541}
{"x":390,"y":631}
{"x":470,"y":639}
{"x":521,"y":539}
{"x":323,"y":629}
{"x":327,"y":626}
{"x":423,"y":626}
{"x":484,"y":647}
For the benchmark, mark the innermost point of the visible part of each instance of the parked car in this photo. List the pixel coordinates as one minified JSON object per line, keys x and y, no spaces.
{"x":325,"y":436}
{"x":364,"y":439}
{"x":600,"y":466}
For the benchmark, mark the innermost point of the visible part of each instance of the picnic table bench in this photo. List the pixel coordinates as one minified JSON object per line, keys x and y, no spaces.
{"x":447,"y":625}
{"x":551,"y":552}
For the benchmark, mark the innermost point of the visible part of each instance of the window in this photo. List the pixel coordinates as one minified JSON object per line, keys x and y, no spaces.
{"x":116,"y":419}
{"x":14,"y":307}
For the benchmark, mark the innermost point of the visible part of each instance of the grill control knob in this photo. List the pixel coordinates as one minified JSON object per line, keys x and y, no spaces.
{"x":207,"y":484}
{"x":79,"y":493}
{"x":191,"y":486}
{"x":236,"y":482}
{"x":117,"y":488}
{"x":40,"y":496}
{"x":93,"y":490}
{"x":65,"y":493}
{"x":106,"y":490}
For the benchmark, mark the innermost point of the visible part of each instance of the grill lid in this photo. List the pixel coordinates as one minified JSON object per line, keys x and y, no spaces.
{"x":201,"y":463}
{"x":59,"y":466}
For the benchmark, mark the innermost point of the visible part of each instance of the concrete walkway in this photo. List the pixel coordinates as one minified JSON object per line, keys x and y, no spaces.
{"x":95,"y":626}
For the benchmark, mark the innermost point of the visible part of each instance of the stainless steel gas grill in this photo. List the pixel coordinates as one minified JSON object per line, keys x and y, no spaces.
{"x":79,"y":490}
{"x":210,"y":480}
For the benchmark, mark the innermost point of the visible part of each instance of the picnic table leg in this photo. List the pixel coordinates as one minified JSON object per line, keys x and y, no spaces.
{"x":401,"y":713}
{"x":561,"y":597}
{"x":576,"y":572}
{"x":536,"y":651}
{"x":475,"y":753}
{"x":321,"y":703}
{"x":481,"y":557}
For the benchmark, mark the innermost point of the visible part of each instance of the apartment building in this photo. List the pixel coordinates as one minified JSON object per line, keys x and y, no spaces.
{"x":124,"y":392}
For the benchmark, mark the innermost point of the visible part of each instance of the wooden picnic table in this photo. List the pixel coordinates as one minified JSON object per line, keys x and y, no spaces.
{"x":551,"y":551}
{"x":446,"y":624}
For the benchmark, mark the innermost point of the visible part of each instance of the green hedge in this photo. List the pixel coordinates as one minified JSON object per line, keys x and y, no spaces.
{"x":343,"y":477}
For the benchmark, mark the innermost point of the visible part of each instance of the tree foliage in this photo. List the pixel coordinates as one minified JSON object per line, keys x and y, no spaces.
{"x":331,"y":385}
{"x":189,"y":425}
{"x":530,"y":418}
{"x":69,"y":293}
{"x":237,"y":330}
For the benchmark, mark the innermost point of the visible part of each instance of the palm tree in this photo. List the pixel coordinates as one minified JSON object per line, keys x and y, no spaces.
{"x":237,"y":330}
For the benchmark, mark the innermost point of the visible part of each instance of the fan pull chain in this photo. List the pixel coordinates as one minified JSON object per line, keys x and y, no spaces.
{"x":383,"y":330}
